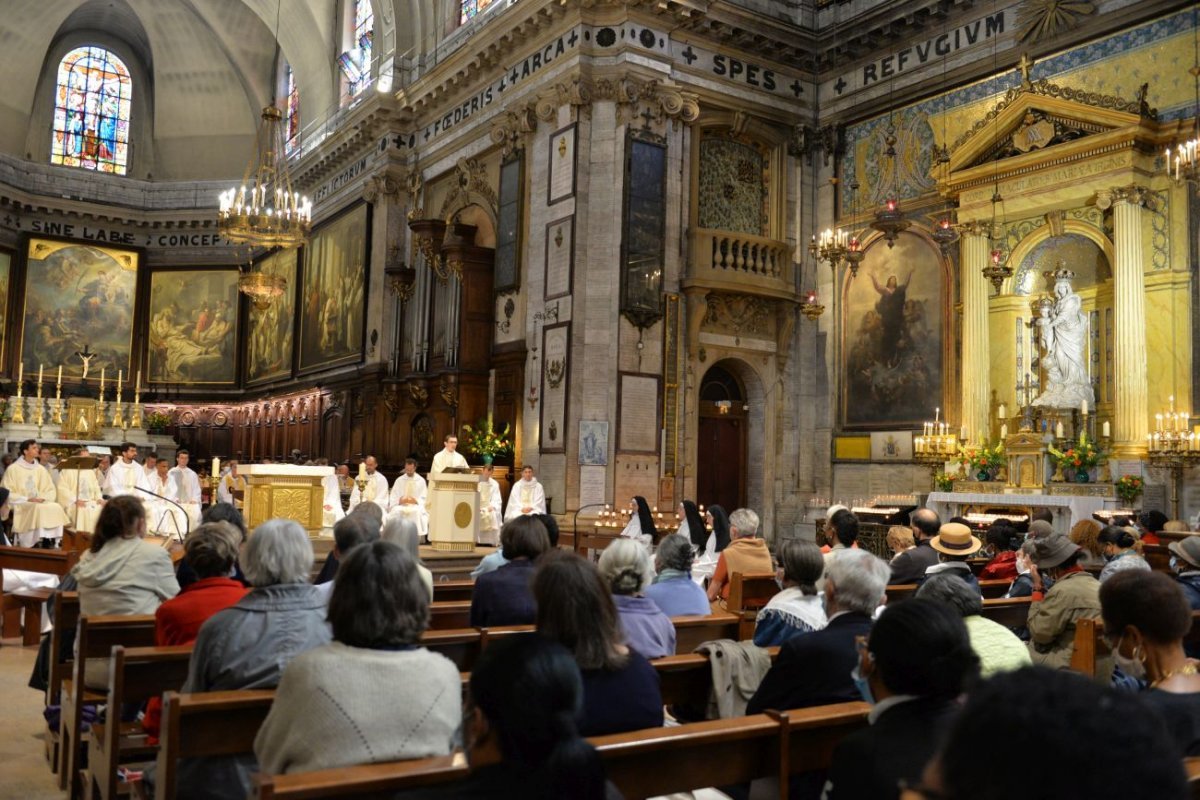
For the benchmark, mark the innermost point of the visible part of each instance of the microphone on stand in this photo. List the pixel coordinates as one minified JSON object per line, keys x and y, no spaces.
{"x":187,"y":522}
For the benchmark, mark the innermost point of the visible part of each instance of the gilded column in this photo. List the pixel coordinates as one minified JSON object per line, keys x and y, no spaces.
{"x":1131,"y":421}
{"x":976,"y":363}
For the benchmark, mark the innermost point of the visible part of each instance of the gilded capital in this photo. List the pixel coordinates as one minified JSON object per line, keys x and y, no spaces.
{"x":975,"y":228}
{"x":1134,"y":194}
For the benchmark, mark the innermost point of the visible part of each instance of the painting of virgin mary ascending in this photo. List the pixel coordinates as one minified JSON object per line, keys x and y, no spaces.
{"x":892,"y":336}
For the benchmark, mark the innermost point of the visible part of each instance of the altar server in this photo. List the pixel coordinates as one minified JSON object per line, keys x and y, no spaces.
{"x":231,"y":482}
{"x":125,"y":476}
{"x":36,"y":514}
{"x":527,"y":497}
{"x":408,"y":498}
{"x":187,"y":487}
{"x":162,"y":517}
{"x":376,"y":490}
{"x":79,"y":495}
{"x":490,"y":516}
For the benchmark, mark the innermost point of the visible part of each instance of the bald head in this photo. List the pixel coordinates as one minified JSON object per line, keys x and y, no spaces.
{"x":925,"y":523}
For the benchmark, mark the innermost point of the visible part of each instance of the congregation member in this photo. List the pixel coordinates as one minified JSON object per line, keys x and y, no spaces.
{"x":1000,"y":548}
{"x":1053,"y":735}
{"x":121,"y":573}
{"x":1086,"y":534}
{"x":1150,"y":523}
{"x":842,"y":532}
{"x":218,"y":512}
{"x":125,"y":476}
{"x":1120,"y":552}
{"x":247,"y":645}
{"x":373,"y":693}
{"x":826,"y":535}
{"x":899,"y":540}
{"x":403,"y":532}
{"x":673,"y":590}
{"x":909,"y":566}
{"x":408,"y":499}
{"x":1053,"y":612}
{"x":527,"y":496}
{"x":491,"y":515}
{"x":1146,"y":618}
{"x":997,"y":648}
{"x":797,"y":609}
{"x":348,"y":534}
{"x":520,"y":749}
{"x":448,"y":457}
{"x":574,"y":608}
{"x":954,"y":544}
{"x":746,"y":554}
{"x":691,"y":525}
{"x":504,"y":596}
{"x":1185,"y":563}
{"x":814,"y":669}
{"x":376,"y":486}
{"x":1022,"y":585}
{"x":641,"y":527}
{"x":79,"y":495}
{"x":912,"y":668}
{"x":230,"y":484}
{"x":645,"y":627}
{"x":344,"y":482}
{"x":187,"y":487}
{"x":37,"y":517}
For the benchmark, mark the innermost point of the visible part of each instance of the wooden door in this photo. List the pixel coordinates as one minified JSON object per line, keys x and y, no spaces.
{"x":721,"y":462}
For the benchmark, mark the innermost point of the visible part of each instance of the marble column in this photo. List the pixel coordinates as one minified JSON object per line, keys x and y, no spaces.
{"x":976,"y":359}
{"x":1129,"y":320}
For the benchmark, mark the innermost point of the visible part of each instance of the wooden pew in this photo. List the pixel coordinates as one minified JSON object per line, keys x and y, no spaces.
{"x":136,"y":675}
{"x":447,"y":591}
{"x":1089,"y":642}
{"x":993,"y":588}
{"x":450,"y":614}
{"x":589,"y":542}
{"x":691,"y":632}
{"x":460,"y":645}
{"x":900,"y":591}
{"x":1192,"y":767}
{"x":645,"y":763}
{"x":209,"y":724}
{"x":686,"y":679}
{"x":748,"y":594}
{"x":96,"y":638}
{"x":1158,"y":556}
{"x":1012,"y":612}
{"x":29,"y":559}
{"x":66,"y":618}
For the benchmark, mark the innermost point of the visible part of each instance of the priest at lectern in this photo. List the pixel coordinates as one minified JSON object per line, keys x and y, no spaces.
{"x":448,"y":457}
{"x":36,"y":513}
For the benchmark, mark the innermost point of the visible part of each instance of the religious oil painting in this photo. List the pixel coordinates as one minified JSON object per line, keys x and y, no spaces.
{"x":269,"y":338}
{"x":335,"y":268}
{"x":79,"y":301}
{"x":193,"y":326}
{"x":5,"y":271}
{"x":892,"y":336}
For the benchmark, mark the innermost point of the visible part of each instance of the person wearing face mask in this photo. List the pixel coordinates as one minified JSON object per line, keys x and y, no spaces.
{"x":1118,"y":544}
{"x":912,"y":669}
{"x":1054,"y":611}
{"x":1185,"y":563}
{"x":1146,"y":617}
{"x":1022,"y":585}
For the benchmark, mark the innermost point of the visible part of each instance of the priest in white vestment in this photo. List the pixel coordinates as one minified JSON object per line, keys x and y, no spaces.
{"x":408,"y":498}
{"x":79,"y":496}
{"x":187,"y":487}
{"x":331,"y":506}
{"x":162,"y":517}
{"x":125,"y":476}
{"x":527,"y":496}
{"x":230,"y":482}
{"x":376,"y":490}
{"x":490,"y":514}
{"x":36,"y":513}
{"x":448,"y":457}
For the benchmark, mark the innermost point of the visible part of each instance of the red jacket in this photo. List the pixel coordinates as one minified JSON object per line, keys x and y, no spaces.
{"x":1003,"y":566}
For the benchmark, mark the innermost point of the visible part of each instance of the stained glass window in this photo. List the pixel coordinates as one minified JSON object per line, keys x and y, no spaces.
{"x":293,"y":113}
{"x":91,"y":112}
{"x":473,"y":8}
{"x":356,"y":62}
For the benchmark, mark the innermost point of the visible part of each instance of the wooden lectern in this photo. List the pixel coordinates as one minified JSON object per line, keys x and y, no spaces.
{"x":284,"y":491}
{"x":453,"y":510}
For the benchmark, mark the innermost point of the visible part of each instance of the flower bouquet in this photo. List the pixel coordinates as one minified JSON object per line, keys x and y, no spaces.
{"x":1078,"y":458}
{"x":944,"y":481}
{"x":484,"y":441}
{"x":984,"y":461}
{"x":157,"y":422}
{"x":1129,"y":488}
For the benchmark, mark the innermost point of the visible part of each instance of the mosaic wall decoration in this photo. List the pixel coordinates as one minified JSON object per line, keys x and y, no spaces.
{"x":1080,"y":254}
{"x":732,"y":187}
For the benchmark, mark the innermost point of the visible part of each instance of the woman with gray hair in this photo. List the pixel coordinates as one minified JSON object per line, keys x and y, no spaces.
{"x":647,"y":629}
{"x":403,"y":532}
{"x":798,"y":609}
{"x":327,"y":711}
{"x":673,"y":590}
{"x":247,"y":645}
{"x":998,"y":648}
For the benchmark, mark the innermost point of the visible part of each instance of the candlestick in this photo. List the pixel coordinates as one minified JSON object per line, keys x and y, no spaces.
{"x":362,"y":469}
{"x":20,"y":375}
{"x":1058,"y":430}
{"x":1083,"y":408}
{"x":39,"y":374}
{"x":56,"y":418}
{"x":138,"y":386}
{"x":1004,"y":431}
{"x":102,"y":384}
{"x":937,"y":414}
{"x":1002,"y":413}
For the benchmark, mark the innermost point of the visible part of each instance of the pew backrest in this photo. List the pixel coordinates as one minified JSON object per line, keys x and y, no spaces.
{"x":446,"y":591}
{"x":1158,"y":556}
{"x":449,"y":614}
{"x":460,"y":645}
{"x":693,"y":631}
{"x":1088,"y":644}
{"x":1011,"y":612}
{"x":751,"y":591}
{"x":209,"y":724}
{"x":36,"y":559}
{"x":66,"y":618}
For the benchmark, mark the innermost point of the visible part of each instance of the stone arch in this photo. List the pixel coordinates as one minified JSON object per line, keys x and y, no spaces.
{"x":1045,"y":232}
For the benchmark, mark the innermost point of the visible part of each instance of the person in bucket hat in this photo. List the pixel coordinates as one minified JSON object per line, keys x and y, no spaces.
{"x":1053,"y":613}
{"x":1185,"y":562}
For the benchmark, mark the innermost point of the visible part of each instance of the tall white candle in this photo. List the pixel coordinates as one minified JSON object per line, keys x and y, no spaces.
{"x":1058,"y":430}
{"x":216,"y":467}
{"x":1083,"y":408}
{"x":1107,"y":430}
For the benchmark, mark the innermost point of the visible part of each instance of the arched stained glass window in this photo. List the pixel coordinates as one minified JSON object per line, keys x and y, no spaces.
{"x":356,"y":62}
{"x":473,"y":8}
{"x":91,"y":112}
{"x":293,"y":113}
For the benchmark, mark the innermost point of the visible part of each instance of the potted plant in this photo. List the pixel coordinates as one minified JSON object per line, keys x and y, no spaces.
{"x":984,"y":461}
{"x":944,"y":481}
{"x":485,"y":441}
{"x":1078,"y":459}
{"x":1129,"y":489}
{"x":157,"y":422}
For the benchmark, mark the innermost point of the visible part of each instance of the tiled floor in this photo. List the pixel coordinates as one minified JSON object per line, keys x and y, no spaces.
{"x":24,"y":773}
